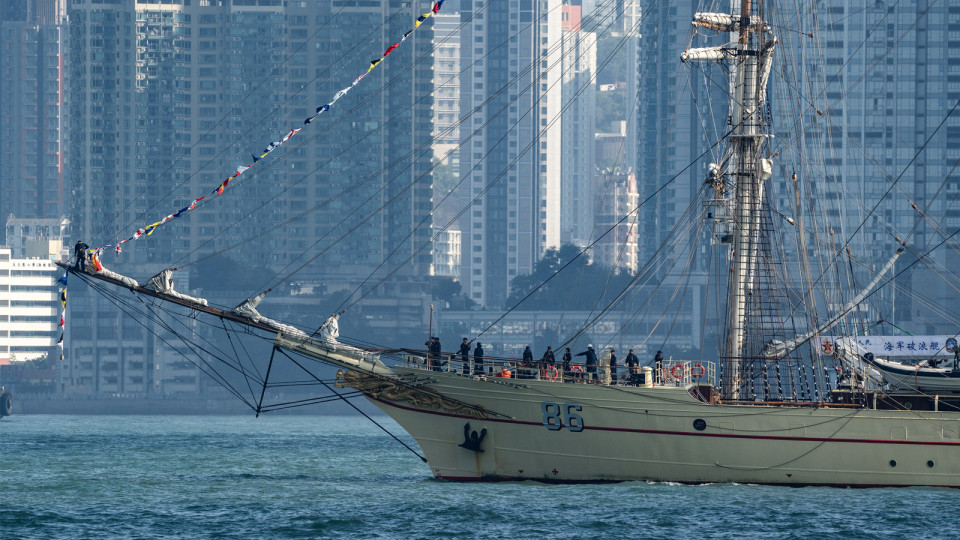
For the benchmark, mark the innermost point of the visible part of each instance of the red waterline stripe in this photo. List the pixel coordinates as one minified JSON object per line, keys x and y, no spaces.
{"x":786,"y":484}
{"x":686,"y":433}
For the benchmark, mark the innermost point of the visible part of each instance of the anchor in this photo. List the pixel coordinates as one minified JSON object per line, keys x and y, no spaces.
{"x":471,"y":441}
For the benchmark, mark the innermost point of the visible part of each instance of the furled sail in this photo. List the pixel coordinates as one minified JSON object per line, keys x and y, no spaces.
{"x":163,"y":283}
{"x":248,"y":309}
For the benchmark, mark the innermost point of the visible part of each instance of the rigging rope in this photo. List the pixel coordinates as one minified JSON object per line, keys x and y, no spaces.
{"x":149,"y":229}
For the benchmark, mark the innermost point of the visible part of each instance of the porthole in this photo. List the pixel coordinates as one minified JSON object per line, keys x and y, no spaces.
{"x":930,"y":463}
{"x":699,"y":424}
{"x":893,"y":463}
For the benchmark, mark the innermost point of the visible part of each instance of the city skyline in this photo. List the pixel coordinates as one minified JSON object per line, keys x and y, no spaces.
{"x":161,"y":101}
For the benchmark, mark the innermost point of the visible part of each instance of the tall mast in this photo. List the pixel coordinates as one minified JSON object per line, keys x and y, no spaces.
{"x":745,"y":169}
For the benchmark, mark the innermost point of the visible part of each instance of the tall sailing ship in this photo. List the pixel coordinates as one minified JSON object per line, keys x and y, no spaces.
{"x":735,"y":420}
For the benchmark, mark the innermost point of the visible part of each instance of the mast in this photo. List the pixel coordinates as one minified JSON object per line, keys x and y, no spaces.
{"x":745,"y":169}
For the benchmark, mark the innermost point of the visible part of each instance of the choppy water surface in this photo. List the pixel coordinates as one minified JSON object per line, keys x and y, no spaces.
{"x":317,"y":476}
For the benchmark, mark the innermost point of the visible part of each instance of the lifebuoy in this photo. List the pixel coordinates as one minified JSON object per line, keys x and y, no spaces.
{"x":551,"y":373}
{"x":577,"y":369}
{"x":6,"y":404}
{"x":673,"y":371}
{"x":703,"y":371}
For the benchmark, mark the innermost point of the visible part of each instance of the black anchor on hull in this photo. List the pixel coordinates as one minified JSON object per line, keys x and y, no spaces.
{"x":471,"y":441}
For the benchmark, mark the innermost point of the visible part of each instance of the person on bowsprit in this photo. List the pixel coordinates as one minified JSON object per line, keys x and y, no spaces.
{"x":80,"y":252}
{"x":478,"y":359}
{"x":591,"y":362}
{"x":465,"y":356}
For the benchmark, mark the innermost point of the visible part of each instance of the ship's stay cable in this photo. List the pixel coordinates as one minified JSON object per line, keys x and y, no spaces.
{"x":149,"y":313}
{"x":464,"y":177}
{"x":319,"y":254}
{"x":681,"y":285}
{"x":246,"y":379}
{"x":203,"y":200}
{"x":674,"y":236}
{"x":591,"y":244}
{"x":139,"y":313}
{"x":635,"y":219}
{"x":343,"y":151}
{"x":857,"y":83}
{"x":490,"y":185}
{"x":225,"y":116}
{"x":372,"y":177}
{"x":303,"y":142}
{"x":348,"y":402}
{"x":203,"y":366}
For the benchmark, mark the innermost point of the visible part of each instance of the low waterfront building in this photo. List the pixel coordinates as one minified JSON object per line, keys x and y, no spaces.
{"x":29,"y":307}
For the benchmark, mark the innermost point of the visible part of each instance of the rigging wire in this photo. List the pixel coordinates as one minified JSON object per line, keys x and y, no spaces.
{"x":223,"y":118}
{"x":465,"y":177}
{"x":348,"y":402}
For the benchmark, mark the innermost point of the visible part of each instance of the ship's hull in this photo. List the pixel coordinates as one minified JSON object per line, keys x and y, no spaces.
{"x":635,"y":433}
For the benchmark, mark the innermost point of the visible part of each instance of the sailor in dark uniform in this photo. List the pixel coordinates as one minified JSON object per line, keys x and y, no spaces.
{"x":613,"y":366}
{"x":80,"y":252}
{"x":478,"y":359}
{"x":591,"y":362}
{"x":465,"y":356}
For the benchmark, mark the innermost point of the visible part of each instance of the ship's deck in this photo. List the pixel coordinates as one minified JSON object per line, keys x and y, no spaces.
{"x":695,"y":376}
{"x":671,"y":372}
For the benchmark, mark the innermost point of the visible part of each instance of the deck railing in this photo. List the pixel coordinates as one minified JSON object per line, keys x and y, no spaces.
{"x":671,"y":373}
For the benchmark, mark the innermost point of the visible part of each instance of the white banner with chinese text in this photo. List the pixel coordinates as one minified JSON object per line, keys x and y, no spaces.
{"x":886,"y":346}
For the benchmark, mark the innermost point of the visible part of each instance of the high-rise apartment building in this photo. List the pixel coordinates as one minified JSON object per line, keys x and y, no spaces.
{"x":511,"y":82}
{"x":446,"y":80}
{"x":578,"y":159}
{"x":31,"y":77}
{"x":166,"y":99}
{"x":616,"y":197}
{"x":881,"y":132}
{"x":674,"y":127}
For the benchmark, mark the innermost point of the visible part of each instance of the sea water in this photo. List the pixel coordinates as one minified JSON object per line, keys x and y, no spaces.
{"x":342,"y":477}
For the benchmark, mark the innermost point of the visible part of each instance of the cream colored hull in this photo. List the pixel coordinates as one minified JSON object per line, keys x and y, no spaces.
{"x":634,"y":433}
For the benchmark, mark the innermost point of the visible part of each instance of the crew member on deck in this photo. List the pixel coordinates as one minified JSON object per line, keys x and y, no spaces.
{"x":436,"y":352}
{"x":465,"y":356}
{"x":478,"y":359}
{"x":567,"y":360}
{"x":591,"y":361}
{"x":548,"y":358}
{"x":525,"y":372}
{"x":613,"y":366}
{"x":658,"y":363}
{"x":80,"y":252}
{"x":633,"y":365}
